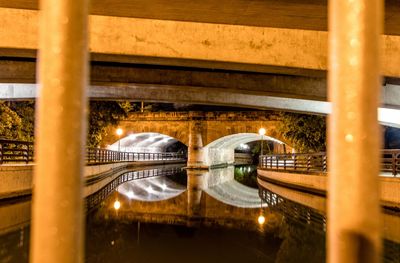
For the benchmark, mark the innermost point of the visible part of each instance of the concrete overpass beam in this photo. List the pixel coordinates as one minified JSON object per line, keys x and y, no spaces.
{"x":193,"y":44}
{"x":391,"y":96}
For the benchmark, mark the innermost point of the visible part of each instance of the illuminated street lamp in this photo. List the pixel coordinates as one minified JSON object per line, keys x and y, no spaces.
{"x":261,"y":219}
{"x":119,"y":133}
{"x":262,"y":132}
{"x":117,"y":205}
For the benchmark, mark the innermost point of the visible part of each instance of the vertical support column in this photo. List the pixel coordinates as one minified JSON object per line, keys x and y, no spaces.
{"x":354,"y":136}
{"x":195,"y":149}
{"x":57,"y":223}
{"x":196,"y":183}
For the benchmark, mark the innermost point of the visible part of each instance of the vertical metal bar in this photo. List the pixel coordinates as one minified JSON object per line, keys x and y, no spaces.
{"x":353,"y":131}
{"x":284,"y":162}
{"x":295,"y":161}
{"x":27,"y":153}
{"x":57,"y":223}
{"x":1,"y":153}
{"x":394,"y":164}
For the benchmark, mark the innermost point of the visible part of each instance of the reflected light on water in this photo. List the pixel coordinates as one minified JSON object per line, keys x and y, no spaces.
{"x":130,"y":194}
{"x":149,"y":189}
{"x":261,"y":219}
{"x":117,"y":205}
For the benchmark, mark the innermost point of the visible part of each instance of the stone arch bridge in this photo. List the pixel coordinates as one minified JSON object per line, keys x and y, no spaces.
{"x":211,"y":137}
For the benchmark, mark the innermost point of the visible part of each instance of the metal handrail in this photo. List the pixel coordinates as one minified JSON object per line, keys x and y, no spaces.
{"x":14,"y":151}
{"x":97,"y":156}
{"x":317,"y":162}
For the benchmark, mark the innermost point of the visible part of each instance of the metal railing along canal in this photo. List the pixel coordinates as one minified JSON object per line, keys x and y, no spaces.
{"x":14,"y":151}
{"x":317,"y":162}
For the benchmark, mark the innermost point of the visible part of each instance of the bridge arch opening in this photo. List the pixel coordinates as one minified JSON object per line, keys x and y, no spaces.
{"x":222,"y":150}
{"x":148,"y":142}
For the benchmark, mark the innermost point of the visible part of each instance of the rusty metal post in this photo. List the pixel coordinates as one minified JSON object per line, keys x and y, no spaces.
{"x":57,"y":223}
{"x":353,"y":131}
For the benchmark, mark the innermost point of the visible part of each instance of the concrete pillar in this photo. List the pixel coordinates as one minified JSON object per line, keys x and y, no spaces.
{"x":353,"y":132}
{"x":195,"y":149}
{"x":57,"y":223}
{"x":196,"y":183}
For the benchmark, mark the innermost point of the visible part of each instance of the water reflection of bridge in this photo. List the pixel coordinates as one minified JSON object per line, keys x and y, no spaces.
{"x":212,"y":194}
{"x":183,"y":204}
{"x":209,"y":197}
{"x":309,"y":210}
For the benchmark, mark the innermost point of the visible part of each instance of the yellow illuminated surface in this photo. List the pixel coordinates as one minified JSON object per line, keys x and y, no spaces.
{"x":261,"y":219}
{"x":117,"y":205}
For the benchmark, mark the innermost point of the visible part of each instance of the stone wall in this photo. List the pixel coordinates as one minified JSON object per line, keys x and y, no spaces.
{"x":215,"y":124}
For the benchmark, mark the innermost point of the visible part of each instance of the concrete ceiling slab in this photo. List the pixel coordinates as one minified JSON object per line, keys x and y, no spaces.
{"x":300,"y":14}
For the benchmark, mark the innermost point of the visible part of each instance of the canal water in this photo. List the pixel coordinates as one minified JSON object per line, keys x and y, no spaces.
{"x":168,"y":215}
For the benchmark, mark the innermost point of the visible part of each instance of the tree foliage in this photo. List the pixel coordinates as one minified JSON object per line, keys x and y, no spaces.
{"x":11,"y":123}
{"x":307,"y":133}
{"x":17,"y":120}
{"x":26,"y":111}
{"x":101,"y":115}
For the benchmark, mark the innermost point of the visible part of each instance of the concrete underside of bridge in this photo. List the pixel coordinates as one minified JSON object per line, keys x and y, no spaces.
{"x":293,"y":43}
{"x":240,"y":57}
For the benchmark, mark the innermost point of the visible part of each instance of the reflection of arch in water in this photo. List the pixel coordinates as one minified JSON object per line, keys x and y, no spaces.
{"x":96,"y":198}
{"x":222,"y":150}
{"x":151,"y":189}
{"x":221,"y":185}
{"x":147,"y":142}
{"x":236,"y":194}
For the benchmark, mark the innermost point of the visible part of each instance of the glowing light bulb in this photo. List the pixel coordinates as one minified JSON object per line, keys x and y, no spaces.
{"x":262,"y":131}
{"x":117,"y":205}
{"x":261,"y":219}
{"x":119,"y":131}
